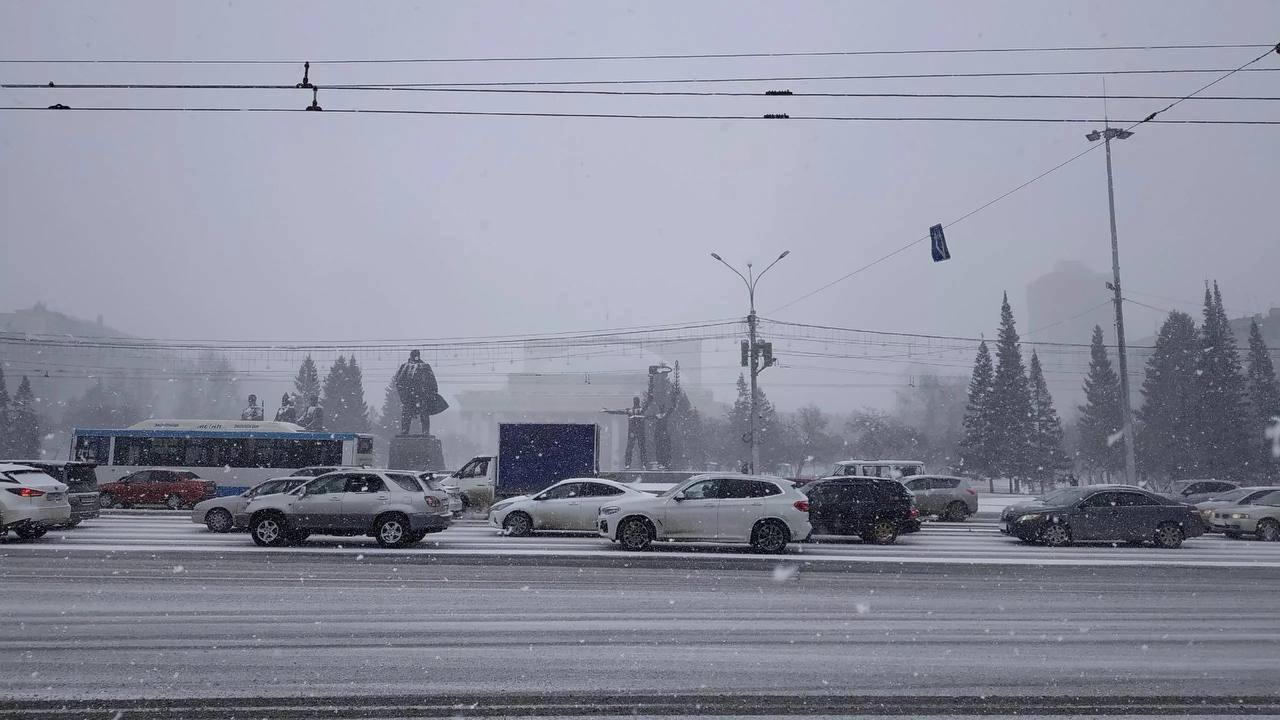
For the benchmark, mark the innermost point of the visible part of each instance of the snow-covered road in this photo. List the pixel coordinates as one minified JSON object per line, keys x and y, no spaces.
{"x":110,"y":632}
{"x":974,"y":542}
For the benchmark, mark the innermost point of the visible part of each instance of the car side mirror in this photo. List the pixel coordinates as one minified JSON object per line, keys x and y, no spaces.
{"x":678,"y":497}
{"x":539,"y":498}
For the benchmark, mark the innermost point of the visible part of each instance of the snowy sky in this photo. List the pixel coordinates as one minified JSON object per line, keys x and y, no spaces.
{"x":319,"y":226}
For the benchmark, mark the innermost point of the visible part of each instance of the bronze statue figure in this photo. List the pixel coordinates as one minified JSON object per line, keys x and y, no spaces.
{"x":419,"y":394}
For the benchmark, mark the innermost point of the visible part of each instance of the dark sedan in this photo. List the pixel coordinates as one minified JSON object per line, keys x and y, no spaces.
{"x":1103,"y":513}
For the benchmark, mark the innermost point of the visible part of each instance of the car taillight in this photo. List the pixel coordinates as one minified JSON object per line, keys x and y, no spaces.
{"x":432,"y":502}
{"x":915,"y":512}
{"x":26,"y":492}
{"x":970,"y":491}
{"x":801,"y":505}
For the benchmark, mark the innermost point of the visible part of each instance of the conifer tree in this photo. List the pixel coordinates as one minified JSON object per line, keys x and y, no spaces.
{"x":5,"y":438}
{"x":1046,"y":426}
{"x":1101,"y":443}
{"x":1264,"y":393}
{"x":307,"y":382}
{"x":1223,"y":433}
{"x":24,"y":427}
{"x":1010,"y":402}
{"x":344,"y":407}
{"x":1168,"y":447}
{"x":977,"y":449}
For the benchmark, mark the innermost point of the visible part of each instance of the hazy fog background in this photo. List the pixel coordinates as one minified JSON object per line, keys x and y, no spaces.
{"x":324,"y":226}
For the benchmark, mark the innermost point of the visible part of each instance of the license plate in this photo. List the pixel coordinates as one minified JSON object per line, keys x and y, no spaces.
{"x":54,"y":496}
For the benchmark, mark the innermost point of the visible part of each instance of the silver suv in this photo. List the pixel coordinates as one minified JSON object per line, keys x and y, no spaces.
{"x":390,"y":506}
{"x":943,"y":496}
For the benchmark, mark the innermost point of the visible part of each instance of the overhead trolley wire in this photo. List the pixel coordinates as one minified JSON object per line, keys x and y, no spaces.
{"x":654,"y":56}
{"x":1148,"y":119}
{"x":630,"y":116}
{"x":376,"y":87}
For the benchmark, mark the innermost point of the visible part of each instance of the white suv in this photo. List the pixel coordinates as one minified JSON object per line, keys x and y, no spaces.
{"x":765,"y":512}
{"x":31,"y":501}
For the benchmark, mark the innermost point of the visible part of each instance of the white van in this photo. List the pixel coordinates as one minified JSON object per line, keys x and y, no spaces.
{"x":891,"y":469}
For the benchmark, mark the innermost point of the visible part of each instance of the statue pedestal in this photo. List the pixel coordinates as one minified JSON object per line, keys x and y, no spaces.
{"x":416,"y":452}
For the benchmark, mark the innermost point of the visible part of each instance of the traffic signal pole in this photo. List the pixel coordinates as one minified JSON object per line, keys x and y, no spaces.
{"x":755,"y":373}
{"x":753,"y":353}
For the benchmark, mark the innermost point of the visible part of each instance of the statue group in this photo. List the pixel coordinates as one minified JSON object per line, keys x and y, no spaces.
{"x":649,"y":422}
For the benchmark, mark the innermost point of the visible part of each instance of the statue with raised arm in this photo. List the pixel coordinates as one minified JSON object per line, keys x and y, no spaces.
{"x":635,"y":431}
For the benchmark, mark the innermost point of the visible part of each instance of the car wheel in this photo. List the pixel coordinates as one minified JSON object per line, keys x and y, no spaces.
{"x":1169,"y":536}
{"x":218,"y":520}
{"x":269,"y":530}
{"x":173,"y":502}
{"x":881,"y":532}
{"x":392,"y":531}
{"x":1056,"y":535}
{"x":635,"y":534}
{"x":30,"y":532}
{"x":107,"y":500}
{"x":297,"y":537}
{"x":518,"y":524}
{"x":1268,"y":530}
{"x":416,"y":537}
{"x":74,"y":523}
{"x":957,"y":512}
{"x":770,"y":536}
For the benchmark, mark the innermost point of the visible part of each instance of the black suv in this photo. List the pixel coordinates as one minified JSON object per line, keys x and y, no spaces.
{"x":875,"y":509}
{"x":81,"y":482}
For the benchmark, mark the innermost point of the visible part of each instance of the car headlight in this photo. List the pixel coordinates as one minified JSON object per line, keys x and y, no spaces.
{"x":1027,"y":518}
{"x":610,"y":510}
{"x":1239,"y":516}
{"x":501,"y":506}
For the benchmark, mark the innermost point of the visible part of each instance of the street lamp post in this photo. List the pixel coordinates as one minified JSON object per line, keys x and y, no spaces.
{"x":751,"y":280}
{"x":1126,"y":411}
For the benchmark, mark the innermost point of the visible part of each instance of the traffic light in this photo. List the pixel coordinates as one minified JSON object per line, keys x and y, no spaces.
{"x":766,"y":351}
{"x":746,"y":353}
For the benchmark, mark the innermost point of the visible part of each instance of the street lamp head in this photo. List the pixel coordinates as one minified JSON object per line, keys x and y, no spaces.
{"x":717,"y":257}
{"x":784,"y":254}
{"x":1094,"y":136}
{"x":1124,"y":134}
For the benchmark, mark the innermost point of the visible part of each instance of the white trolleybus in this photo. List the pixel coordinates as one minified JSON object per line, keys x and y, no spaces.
{"x":234,"y":454}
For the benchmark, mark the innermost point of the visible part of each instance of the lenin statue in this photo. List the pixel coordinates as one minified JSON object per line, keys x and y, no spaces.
{"x":419,"y":394}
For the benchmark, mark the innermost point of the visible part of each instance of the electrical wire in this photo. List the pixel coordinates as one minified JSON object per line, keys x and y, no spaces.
{"x":664,"y":56}
{"x":646,"y":116}
{"x":1150,"y":118}
{"x":825,"y":78}
{"x":375,"y":87}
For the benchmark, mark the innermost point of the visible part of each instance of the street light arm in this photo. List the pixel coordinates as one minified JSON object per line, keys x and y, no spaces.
{"x":735,"y":271}
{"x":775,"y":262}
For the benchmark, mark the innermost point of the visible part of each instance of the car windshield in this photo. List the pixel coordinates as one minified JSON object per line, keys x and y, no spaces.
{"x":1233,"y":495}
{"x":1065,"y":496}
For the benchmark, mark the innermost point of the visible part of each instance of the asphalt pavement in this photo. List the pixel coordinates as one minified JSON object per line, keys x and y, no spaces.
{"x":154,"y":617}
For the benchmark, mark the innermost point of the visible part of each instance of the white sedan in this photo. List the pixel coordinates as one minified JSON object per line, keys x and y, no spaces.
{"x":765,"y":512}
{"x":30,"y":501}
{"x":571,"y":504}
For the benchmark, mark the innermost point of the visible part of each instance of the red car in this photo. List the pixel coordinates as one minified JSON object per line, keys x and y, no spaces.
{"x":173,"y":488}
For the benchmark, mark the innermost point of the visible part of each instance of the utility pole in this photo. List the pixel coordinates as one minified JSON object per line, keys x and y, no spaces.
{"x":1126,"y":411}
{"x":753,"y":350}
